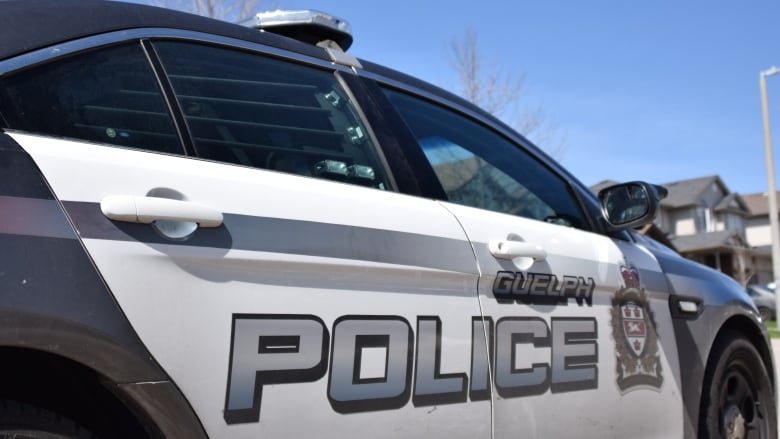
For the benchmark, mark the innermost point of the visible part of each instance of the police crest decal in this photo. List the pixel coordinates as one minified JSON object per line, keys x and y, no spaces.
{"x":635,"y":335}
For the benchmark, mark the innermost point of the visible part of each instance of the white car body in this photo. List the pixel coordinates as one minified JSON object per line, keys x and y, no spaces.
{"x":186,"y":266}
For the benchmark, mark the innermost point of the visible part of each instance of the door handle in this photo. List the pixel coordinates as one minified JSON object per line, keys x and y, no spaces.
{"x":517,"y":249}
{"x":146,"y":210}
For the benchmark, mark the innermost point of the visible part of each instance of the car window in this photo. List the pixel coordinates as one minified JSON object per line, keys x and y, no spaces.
{"x":478,"y":167}
{"x":258,"y":111}
{"x":108,"y":95}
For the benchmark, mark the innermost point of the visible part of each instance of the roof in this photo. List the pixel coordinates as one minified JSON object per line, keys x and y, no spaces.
{"x":28,"y":25}
{"x":687,"y":192}
{"x":724,"y":239}
{"x":731,"y":202}
{"x":33,"y":24}
{"x":758,"y":203}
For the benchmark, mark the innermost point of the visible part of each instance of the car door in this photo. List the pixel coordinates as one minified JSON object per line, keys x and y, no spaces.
{"x":578,"y":323}
{"x":278,"y":279}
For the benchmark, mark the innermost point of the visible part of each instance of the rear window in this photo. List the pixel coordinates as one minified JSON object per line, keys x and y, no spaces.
{"x":268,"y":113}
{"x":108,"y":95}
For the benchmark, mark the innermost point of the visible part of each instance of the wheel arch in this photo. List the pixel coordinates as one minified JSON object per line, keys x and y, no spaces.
{"x":71,"y":389}
{"x":737,"y":341}
{"x":77,"y":371}
{"x":755,"y":334}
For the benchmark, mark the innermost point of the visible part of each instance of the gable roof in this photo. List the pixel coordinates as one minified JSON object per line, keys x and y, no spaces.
{"x":687,"y":192}
{"x":732,"y":202}
{"x":758,"y":203}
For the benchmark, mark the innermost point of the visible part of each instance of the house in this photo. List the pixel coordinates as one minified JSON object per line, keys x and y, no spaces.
{"x":759,"y":234}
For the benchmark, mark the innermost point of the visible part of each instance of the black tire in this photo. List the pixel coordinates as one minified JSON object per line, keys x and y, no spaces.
{"x":26,"y":421}
{"x":737,"y":397}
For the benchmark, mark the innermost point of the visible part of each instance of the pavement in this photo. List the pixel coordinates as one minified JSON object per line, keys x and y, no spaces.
{"x":776,"y":350}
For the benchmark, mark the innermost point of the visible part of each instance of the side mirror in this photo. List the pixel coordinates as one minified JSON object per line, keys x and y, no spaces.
{"x":630,"y":205}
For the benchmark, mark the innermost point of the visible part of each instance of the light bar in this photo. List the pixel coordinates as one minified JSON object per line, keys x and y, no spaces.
{"x":308,"y":25}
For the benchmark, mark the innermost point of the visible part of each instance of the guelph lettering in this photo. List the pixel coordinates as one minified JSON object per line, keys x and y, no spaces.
{"x":543,"y":288}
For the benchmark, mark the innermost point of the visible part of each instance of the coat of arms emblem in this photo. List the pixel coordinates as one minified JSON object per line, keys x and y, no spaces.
{"x":635,"y":335}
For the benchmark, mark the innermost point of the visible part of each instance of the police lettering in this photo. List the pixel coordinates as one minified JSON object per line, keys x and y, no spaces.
{"x":277,"y":349}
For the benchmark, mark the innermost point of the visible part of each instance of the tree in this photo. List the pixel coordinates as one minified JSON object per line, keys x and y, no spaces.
{"x":499,"y":92}
{"x":228,"y":10}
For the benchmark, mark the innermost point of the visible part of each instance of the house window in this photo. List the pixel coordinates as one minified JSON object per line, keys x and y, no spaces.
{"x":704,"y":220}
{"x":734,"y":222}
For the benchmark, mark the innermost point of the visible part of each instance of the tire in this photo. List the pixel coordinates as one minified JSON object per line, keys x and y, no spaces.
{"x":737,"y":397}
{"x":26,"y":421}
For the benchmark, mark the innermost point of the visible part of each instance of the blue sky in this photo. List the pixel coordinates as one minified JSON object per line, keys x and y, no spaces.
{"x":658,"y":91}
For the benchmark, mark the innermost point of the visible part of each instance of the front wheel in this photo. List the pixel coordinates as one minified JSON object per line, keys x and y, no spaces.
{"x":26,"y":421}
{"x":737,"y":398}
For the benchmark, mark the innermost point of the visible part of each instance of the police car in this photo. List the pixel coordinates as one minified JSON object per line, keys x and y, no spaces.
{"x":215,"y":230}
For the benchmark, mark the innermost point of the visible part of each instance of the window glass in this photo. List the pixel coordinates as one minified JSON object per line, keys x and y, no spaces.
{"x":478,"y":167}
{"x":704,"y":219}
{"x":735,"y":222}
{"x":108,"y":95}
{"x":267,"y":113}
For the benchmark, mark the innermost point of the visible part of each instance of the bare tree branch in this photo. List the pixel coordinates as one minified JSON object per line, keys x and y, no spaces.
{"x":499,"y":92}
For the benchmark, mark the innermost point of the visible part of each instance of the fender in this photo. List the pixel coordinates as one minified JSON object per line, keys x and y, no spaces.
{"x":53,"y":299}
{"x":724,"y":301}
